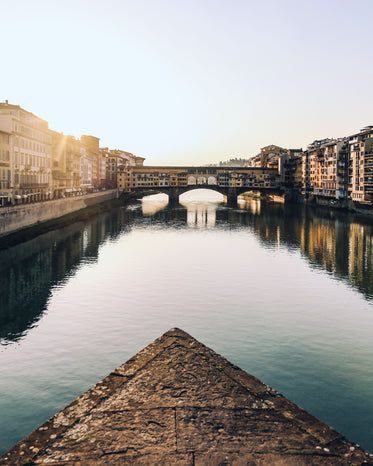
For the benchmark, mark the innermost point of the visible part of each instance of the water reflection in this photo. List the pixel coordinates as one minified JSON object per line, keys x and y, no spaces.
{"x":253,"y":205}
{"x":334,"y":241}
{"x":201,"y":214}
{"x":153,"y":204}
{"x":30,"y":270}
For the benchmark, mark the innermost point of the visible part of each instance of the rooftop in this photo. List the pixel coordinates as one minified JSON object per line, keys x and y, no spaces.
{"x":178,"y":402}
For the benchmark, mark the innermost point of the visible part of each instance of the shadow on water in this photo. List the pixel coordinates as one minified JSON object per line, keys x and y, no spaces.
{"x":29,"y":271}
{"x":333,"y":241}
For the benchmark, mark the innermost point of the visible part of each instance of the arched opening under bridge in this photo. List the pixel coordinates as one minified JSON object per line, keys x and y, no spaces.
{"x":201,"y":195}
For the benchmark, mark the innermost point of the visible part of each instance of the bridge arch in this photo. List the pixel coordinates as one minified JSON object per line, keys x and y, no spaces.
{"x":193,"y":187}
{"x":202,"y":194}
{"x":174,"y":192}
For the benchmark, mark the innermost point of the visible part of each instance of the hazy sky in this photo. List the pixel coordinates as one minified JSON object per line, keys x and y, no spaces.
{"x":191,"y":81}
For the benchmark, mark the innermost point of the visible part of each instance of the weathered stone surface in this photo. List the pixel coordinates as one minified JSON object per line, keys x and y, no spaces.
{"x":125,"y":433}
{"x":245,"y":430}
{"x":257,"y":459}
{"x":178,"y":402}
{"x":137,"y":362}
{"x":184,"y":379}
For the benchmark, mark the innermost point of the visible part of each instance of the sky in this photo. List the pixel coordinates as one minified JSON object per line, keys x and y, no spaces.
{"x":191,"y":81}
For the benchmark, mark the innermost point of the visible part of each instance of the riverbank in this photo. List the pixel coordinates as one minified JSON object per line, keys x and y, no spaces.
{"x":346,"y":205}
{"x":21,"y":223}
{"x":253,"y":195}
{"x":41,"y":218}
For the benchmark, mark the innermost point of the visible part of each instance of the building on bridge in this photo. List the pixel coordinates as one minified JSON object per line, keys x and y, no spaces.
{"x":230,"y":181}
{"x":268,"y":157}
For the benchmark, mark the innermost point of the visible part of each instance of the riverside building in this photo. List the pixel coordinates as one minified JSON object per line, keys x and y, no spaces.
{"x":360,"y":173}
{"x":5,"y":169}
{"x":26,"y":155}
{"x":65,"y":165}
{"x":340,"y":169}
{"x":90,"y":165}
{"x":38,"y":164}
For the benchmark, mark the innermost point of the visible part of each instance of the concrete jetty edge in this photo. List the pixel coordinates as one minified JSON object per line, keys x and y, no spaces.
{"x":179,"y":402}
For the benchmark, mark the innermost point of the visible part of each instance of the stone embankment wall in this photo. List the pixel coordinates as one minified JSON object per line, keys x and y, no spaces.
{"x":14,"y":218}
{"x":344,"y":204}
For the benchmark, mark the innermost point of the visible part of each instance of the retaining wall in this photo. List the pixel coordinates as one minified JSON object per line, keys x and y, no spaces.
{"x":14,"y":218}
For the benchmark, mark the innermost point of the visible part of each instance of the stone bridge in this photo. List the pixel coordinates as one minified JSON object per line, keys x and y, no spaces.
{"x":174,"y":181}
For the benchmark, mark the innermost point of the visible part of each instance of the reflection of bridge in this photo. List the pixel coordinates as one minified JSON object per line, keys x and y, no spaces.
{"x":174,"y":181}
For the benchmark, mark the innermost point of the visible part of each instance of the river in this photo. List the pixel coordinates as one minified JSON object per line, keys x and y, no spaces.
{"x":283,"y":291}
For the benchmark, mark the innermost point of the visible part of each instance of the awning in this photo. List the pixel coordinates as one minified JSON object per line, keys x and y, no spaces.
{"x":68,"y":190}
{"x":4,"y":195}
{"x":17,"y":196}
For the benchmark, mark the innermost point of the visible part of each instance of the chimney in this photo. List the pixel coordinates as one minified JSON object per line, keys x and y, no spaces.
{"x":6,"y":102}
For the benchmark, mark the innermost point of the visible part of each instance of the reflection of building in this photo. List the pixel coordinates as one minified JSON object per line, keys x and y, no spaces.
{"x":30,"y":270}
{"x":26,"y":148}
{"x":321,"y":246}
{"x":361,"y":256}
{"x":252,"y":205}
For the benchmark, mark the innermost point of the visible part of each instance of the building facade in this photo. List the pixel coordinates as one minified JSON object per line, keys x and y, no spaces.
{"x":90,"y":167}
{"x":252,"y":178}
{"x":38,"y":164}
{"x":5,"y":169}
{"x":340,"y":168}
{"x":65,"y":165}
{"x":360,"y":184}
{"x":27,"y":142}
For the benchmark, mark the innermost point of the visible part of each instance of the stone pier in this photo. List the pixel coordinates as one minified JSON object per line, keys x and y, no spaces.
{"x":178,"y":402}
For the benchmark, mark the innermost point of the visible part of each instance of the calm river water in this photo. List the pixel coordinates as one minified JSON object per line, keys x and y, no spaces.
{"x":284,"y":292}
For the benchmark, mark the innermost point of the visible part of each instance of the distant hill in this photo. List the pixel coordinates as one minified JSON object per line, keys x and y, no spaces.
{"x":235,"y":162}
